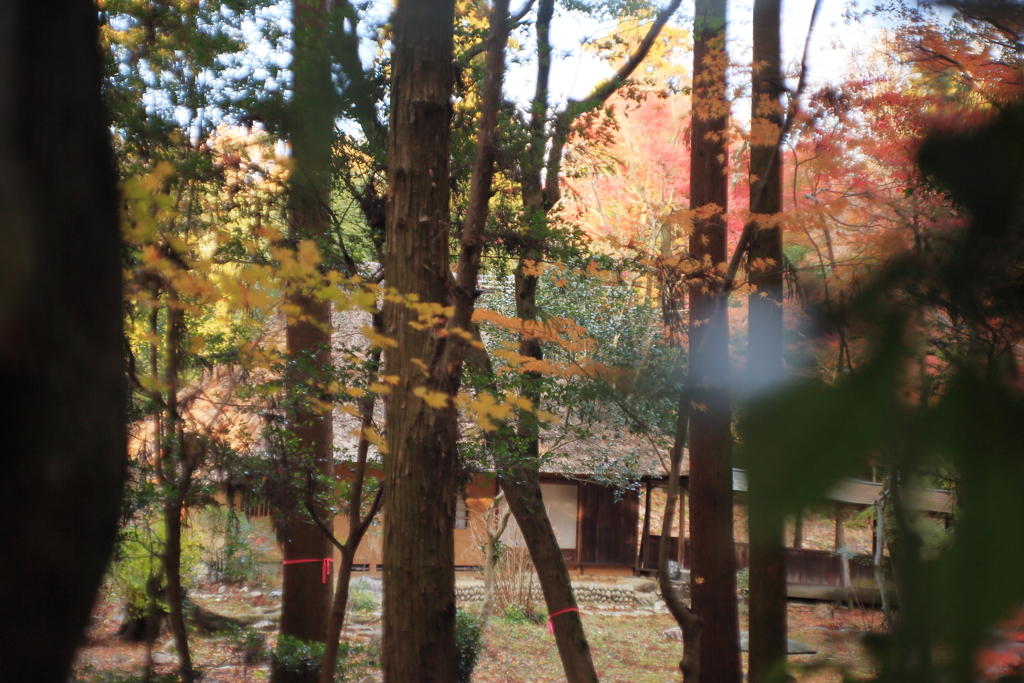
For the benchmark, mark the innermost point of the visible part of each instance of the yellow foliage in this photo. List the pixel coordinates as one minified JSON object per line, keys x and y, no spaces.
{"x":532,"y":268}
{"x":377,"y":341}
{"x":308,"y":255}
{"x":434,"y":399}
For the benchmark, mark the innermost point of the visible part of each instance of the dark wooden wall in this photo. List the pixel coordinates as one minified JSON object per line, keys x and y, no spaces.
{"x":608,"y":533}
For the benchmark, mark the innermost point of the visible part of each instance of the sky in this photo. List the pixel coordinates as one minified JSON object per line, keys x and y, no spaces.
{"x":832,"y":44}
{"x":577,"y":70}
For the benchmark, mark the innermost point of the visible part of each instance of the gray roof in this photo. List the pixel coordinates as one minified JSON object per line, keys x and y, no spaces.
{"x":861,"y":493}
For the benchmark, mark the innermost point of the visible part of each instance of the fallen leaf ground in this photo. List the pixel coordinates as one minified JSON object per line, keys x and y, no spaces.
{"x":627,"y":646}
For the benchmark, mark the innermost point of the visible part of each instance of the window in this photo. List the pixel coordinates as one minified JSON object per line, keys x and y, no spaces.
{"x":461,"y":512}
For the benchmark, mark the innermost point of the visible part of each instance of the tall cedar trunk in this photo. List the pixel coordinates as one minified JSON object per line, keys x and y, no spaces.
{"x":419,"y":477}
{"x":62,"y":370}
{"x":306,"y":596}
{"x":764,"y":350}
{"x":713,"y":565}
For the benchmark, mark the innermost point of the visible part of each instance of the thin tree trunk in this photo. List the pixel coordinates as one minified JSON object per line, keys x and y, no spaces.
{"x":176,"y":458}
{"x":491,"y":557}
{"x":764,"y":346}
{"x":172,"y":564}
{"x":879,"y":545}
{"x":713,"y":564}
{"x":357,"y":525}
{"x":844,"y":556}
{"x":62,"y":366}
{"x":540,"y":191}
{"x":419,"y":484}
{"x":690,"y":624}
{"x":305,"y":595}
{"x":522,"y":489}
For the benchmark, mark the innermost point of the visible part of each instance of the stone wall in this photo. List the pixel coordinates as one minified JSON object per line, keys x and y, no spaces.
{"x":627,"y":593}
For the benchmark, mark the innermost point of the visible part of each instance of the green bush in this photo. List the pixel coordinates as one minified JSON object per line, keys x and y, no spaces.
{"x":138,"y":557}
{"x":236,"y":547}
{"x":468,"y":643}
{"x":362,"y":602}
{"x":297,"y":656}
{"x":250,"y":644}
{"x":517,"y":614}
{"x":743,"y":583}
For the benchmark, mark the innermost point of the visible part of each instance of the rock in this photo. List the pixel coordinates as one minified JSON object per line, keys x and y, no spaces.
{"x":164,"y":658}
{"x":659,"y":605}
{"x":222,"y":590}
{"x":362,"y":618}
{"x":674,"y":633}
{"x":675,"y":572}
{"x":645,"y":599}
{"x":207,"y":621}
{"x":275,"y":594}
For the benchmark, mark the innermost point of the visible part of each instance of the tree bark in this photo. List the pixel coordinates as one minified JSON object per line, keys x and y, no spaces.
{"x":62,"y":369}
{"x":357,"y":526}
{"x":713,"y":564}
{"x":690,"y":624}
{"x":522,"y":489}
{"x":764,"y":341}
{"x":306,"y":597}
{"x":419,"y":484}
{"x":493,"y":534}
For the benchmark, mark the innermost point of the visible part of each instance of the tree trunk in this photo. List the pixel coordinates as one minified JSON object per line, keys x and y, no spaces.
{"x":305,"y":595}
{"x":493,"y":534}
{"x":175,"y":594}
{"x":764,"y":345}
{"x":690,"y":624}
{"x":844,"y":556}
{"x":419,"y":484}
{"x":713,"y":564}
{"x":62,"y":369}
{"x":522,"y":489}
{"x":357,"y":524}
{"x":879,"y":543}
{"x":174,"y":472}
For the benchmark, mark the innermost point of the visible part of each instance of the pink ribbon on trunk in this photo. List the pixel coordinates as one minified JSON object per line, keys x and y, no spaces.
{"x":326,"y":570}
{"x":551,"y":625}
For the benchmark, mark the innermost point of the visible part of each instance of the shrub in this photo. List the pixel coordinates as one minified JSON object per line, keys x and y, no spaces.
{"x":137,"y":559}
{"x":250,"y":644}
{"x":297,"y":656}
{"x":362,"y":602}
{"x":468,"y":643}
{"x":517,"y":614}
{"x":236,"y":547}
